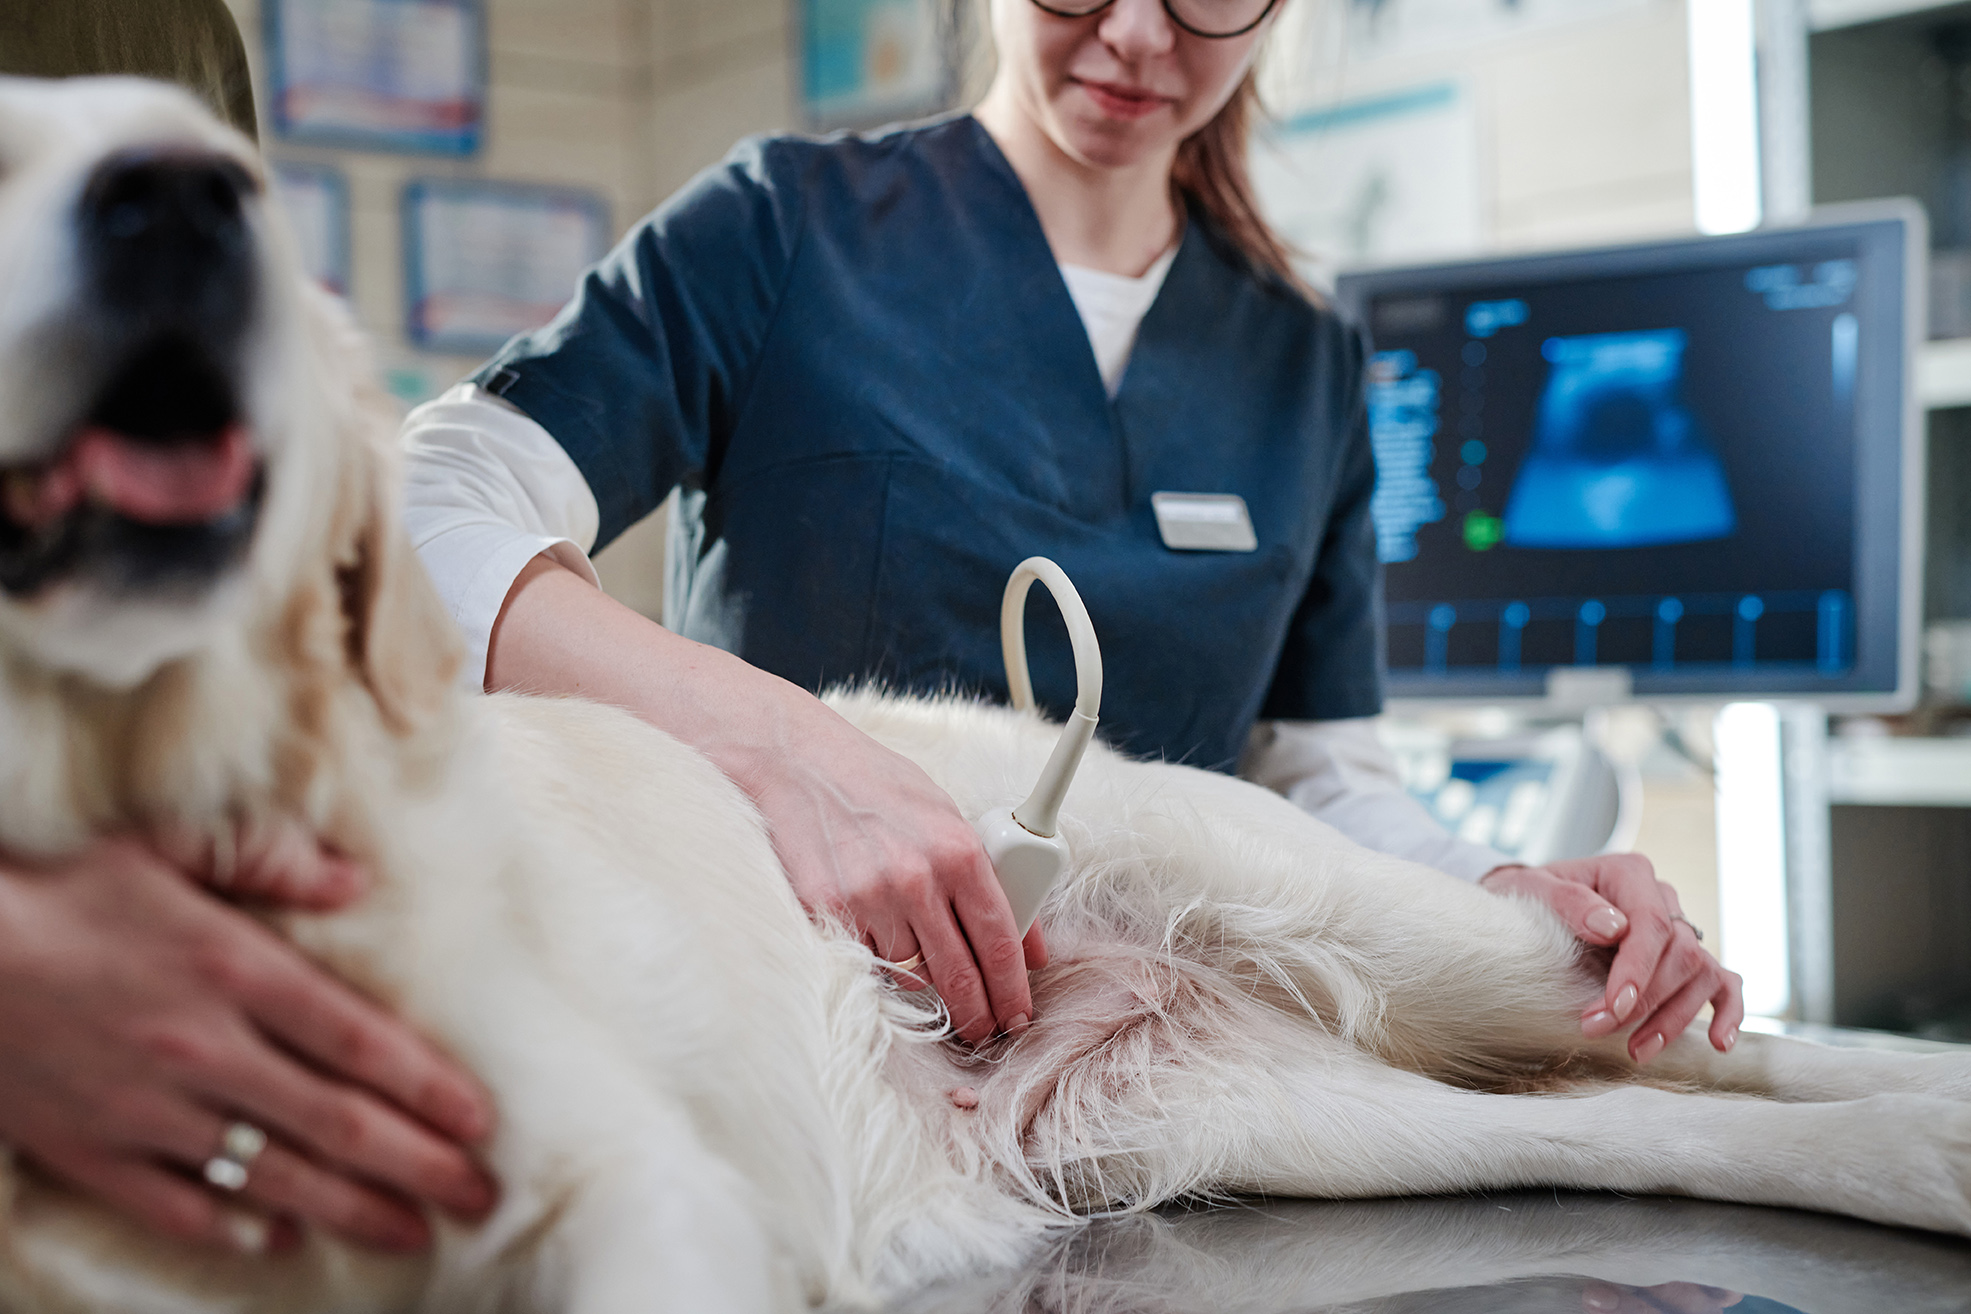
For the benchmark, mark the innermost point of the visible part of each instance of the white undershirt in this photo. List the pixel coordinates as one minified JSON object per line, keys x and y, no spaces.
{"x":1112,"y":307}
{"x":489,"y":489}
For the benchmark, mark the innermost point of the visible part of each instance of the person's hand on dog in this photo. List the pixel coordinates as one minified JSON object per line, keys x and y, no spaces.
{"x":1660,"y":977}
{"x":868,"y":838}
{"x":139,"y":1017}
{"x":865,"y":835}
{"x":277,"y":862}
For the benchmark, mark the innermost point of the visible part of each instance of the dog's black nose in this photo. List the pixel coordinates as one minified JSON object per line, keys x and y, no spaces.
{"x":167,"y":236}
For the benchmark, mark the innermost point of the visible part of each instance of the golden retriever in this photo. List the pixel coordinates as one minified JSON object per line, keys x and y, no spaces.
{"x":209,"y":617}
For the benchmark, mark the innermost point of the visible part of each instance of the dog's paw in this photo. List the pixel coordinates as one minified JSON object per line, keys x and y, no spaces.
{"x":1907,"y":1160}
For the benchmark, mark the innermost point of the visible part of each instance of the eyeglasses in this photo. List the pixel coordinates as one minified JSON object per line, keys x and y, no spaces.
{"x":1213,"y":19}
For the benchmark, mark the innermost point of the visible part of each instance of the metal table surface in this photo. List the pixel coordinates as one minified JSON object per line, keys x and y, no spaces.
{"x":1533,"y":1252}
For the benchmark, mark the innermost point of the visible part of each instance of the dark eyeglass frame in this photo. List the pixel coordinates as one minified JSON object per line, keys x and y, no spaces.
{"x":1170,"y":8}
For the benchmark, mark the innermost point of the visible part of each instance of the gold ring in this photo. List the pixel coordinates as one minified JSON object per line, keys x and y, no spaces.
{"x":910,"y":964}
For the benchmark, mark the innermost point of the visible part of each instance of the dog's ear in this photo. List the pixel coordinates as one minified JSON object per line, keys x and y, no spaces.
{"x":401,"y":641}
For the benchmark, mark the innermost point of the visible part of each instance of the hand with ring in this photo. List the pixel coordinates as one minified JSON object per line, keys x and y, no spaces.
{"x":1660,"y":977}
{"x":172,"y":1057}
{"x":869,"y":838}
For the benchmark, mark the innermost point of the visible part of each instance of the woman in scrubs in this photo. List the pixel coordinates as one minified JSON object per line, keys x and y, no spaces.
{"x":882,"y":370}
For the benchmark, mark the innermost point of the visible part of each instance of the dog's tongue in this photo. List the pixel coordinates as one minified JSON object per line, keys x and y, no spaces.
{"x":176,"y":483}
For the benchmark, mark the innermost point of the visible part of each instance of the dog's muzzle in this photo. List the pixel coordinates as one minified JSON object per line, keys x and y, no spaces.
{"x":156,"y":486}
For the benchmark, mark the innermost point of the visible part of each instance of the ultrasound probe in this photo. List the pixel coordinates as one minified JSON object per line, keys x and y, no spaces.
{"x":1028,"y":853}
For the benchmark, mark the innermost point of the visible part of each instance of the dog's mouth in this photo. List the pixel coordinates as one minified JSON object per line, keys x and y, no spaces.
{"x":157,"y":488}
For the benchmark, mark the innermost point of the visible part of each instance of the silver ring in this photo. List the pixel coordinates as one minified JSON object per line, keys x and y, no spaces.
{"x":908,"y":965}
{"x":238,"y":1148}
{"x":1695,"y":929}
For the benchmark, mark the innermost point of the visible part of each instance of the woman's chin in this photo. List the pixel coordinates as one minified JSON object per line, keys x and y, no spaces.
{"x":1110,"y":143}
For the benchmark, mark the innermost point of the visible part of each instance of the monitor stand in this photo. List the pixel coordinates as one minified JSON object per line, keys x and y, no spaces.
{"x":1536,"y":791}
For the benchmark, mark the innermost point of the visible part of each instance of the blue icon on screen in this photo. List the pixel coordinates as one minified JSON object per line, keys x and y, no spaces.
{"x":1484,"y":318}
{"x":1617,"y":460}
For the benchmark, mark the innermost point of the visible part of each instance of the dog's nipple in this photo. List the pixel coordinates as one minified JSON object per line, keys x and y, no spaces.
{"x":963,"y":1097}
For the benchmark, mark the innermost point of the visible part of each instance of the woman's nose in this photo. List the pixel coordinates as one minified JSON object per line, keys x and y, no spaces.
{"x":1137,"y":29}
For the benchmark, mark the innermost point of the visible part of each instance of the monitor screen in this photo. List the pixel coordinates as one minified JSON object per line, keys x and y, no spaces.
{"x":1687,"y":460}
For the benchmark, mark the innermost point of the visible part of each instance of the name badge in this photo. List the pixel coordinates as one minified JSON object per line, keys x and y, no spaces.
{"x":1204,"y":522}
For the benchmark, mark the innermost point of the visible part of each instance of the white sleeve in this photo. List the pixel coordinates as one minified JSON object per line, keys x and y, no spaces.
{"x":1340,"y":772}
{"x":488,"y":490}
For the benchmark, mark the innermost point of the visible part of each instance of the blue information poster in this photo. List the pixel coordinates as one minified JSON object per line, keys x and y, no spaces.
{"x":484,"y":261}
{"x":870,"y":61}
{"x":393,"y":75}
{"x":315,"y":199}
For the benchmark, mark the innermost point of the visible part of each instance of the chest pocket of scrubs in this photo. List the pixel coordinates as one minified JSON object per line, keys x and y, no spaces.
{"x":792,"y":566}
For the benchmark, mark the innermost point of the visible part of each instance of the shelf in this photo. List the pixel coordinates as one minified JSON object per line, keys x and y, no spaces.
{"x":1933,"y":773}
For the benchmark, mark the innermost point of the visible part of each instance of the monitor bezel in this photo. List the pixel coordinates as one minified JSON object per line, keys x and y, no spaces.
{"x":1899,"y":225}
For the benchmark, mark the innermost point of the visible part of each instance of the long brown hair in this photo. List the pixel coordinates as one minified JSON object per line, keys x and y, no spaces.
{"x":1211,"y":170}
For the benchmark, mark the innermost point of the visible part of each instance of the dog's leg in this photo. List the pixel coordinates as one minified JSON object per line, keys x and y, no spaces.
{"x":641,"y":1220}
{"x":1784,"y":1068}
{"x":1284,"y":1111}
{"x":1430,"y":974}
{"x":670,"y":1228}
{"x":1344,"y":1125}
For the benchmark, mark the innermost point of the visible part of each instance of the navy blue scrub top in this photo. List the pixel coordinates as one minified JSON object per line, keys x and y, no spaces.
{"x":859,"y":360}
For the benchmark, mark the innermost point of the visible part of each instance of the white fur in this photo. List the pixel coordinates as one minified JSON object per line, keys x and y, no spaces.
{"x":707,"y":1101}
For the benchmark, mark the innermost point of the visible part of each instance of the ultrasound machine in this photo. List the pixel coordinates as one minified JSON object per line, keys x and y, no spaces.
{"x":1686,"y":471}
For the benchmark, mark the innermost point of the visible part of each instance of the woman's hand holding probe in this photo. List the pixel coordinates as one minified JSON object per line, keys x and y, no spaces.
{"x":864,"y":834}
{"x":169,"y":1055}
{"x":1660,"y":977}
{"x":868,"y":838}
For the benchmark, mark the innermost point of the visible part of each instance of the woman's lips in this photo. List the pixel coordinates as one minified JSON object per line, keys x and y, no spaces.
{"x":1122,"y":102}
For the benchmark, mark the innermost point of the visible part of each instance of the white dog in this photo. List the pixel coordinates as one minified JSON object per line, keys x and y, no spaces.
{"x":208,"y":615}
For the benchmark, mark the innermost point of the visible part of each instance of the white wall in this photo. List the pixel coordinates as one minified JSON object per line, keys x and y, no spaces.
{"x":1583,"y":120}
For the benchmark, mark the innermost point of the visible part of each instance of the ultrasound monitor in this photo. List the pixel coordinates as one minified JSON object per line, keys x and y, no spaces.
{"x":1687,"y":469}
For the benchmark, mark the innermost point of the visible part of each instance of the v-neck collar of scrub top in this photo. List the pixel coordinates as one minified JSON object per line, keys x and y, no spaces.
{"x":1035,"y":237}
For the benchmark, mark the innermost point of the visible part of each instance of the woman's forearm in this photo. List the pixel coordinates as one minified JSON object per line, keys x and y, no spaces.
{"x":863,"y":833}
{"x":559,"y":634}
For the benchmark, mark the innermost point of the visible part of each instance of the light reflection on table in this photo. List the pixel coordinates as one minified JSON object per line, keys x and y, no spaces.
{"x":1502,"y":1253}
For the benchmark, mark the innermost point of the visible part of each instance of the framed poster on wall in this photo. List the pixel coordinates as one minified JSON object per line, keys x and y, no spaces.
{"x":387,"y":75}
{"x":865,"y":62}
{"x":486,"y":260}
{"x":315,"y":198}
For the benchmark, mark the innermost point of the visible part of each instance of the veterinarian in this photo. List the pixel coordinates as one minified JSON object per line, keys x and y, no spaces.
{"x":882,"y":370}
{"x":137,"y":1010}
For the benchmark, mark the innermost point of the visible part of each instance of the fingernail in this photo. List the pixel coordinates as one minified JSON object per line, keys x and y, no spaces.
{"x":1731,"y":1039}
{"x":1018,"y":1024}
{"x":1649,"y":1048}
{"x":247,"y":1233}
{"x":474,"y":1197}
{"x":1600,"y":1297}
{"x":1606,"y":922}
{"x":1625,"y":1002}
{"x":349,"y":882}
{"x":1598,"y":1023}
{"x":470,"y":1120}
